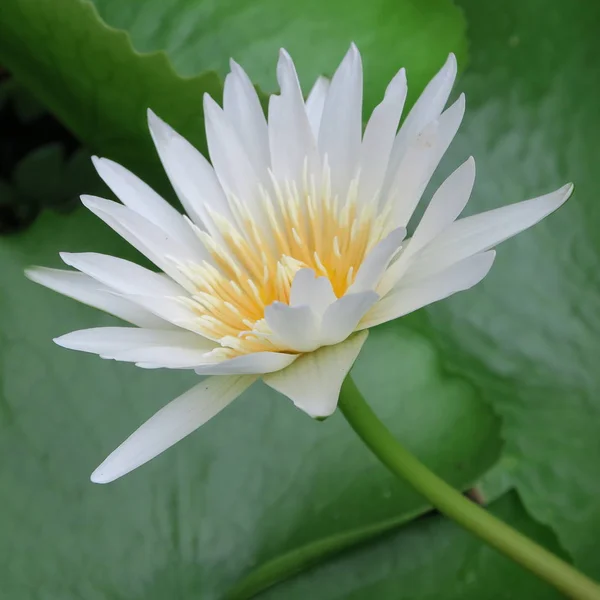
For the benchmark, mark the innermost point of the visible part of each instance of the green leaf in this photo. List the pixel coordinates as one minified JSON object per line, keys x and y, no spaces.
{"x":38,"y":176}
{"x":89,"y":75}
{"x":529,"y":335}
{"x":260,"y":479}
{"x":200,"y":35}
{"x":431,"y":558}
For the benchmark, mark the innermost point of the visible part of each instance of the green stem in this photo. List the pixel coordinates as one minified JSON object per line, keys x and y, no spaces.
{"x":453,"y":504}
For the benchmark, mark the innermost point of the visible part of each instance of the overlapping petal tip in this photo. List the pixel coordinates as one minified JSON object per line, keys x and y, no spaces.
{"x":315,"y":103}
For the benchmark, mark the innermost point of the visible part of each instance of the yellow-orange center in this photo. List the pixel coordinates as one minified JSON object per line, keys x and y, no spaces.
{"x":255,"y":259}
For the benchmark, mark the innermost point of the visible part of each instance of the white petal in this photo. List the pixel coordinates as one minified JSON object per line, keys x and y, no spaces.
{"x":291,"y":140}
{"x":230,"y":160}
{"x":343,"y":316}
{"x":190,"y":174}
{"x":152,"y":241}
{"x":296,"y":327}
{"x":315,"y":103}
{"x":142,"y":199}
{"x":445,"y":206}
{"x":155,"y":292}
{"x":313,"y":382}
{"x":248,"y":364}
{"x":309,"y":290}
{"x":376,"y":262}
{"x":84,"y":289}
{"x":243,"y":110}
{"x":483,"y":231}
{"x":426,"y":109}
{"x":171,"y":349}
{"x":341,"y":125}
{"x":421,"y":160}
{"x":172,"y":423}
{"x":122,"y":275}
{"x":379,"y":137}
{"x":162,"y":357}
{"x":170,"y":308}
{"x":407,"y":298}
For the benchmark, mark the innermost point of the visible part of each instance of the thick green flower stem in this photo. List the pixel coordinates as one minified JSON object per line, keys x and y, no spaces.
{"x":453,"y":504}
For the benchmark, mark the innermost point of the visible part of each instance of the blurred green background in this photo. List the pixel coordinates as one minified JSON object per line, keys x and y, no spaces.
{"x":497,"y":387}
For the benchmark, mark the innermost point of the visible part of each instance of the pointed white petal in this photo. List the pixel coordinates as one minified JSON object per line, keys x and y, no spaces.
{"x":315,"y":103}
{"x":229,"y":157}
{"x":421,"y":160}
{"x":309,"y":290}
{"x":171,"y":349}
{"x":122,"y":275}
{"x":190,"y":174}
{"x":291,"y":139}
{"x":341,"y":124}
{"x":172,"y":423}
{"x":157,"y":244}
{"x":157,"y":293}
{"x":411,"y":296}
{"x":376,"y":262}
{"x":170,"y":308}
{"x":426,"y":109}
{"x":142,"y":199}
{"x":445,"y":206}
{"x":84,"y":289}
{"x":407,"y":182}
{"x":296,"y":327}
{"x":483,"y":231}
{"x":243,"y":110}
{"x":343,"y":316}
{"x":248,"y":364}
{"x":379,"y":137}
{"x":313,"y":382}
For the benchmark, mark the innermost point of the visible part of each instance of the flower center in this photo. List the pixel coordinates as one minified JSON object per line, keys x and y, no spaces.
{"x":255,"y":259}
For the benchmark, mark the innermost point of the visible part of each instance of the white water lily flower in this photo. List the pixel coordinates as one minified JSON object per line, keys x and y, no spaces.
{"x":293,"y":246}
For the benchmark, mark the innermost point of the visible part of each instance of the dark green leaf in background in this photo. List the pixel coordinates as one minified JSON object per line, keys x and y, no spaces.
{"x":90,"y":76}
{"x":201,"y":35}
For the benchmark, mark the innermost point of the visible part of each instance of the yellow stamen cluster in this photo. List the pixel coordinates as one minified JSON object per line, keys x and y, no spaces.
{"x":255,"y":261}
